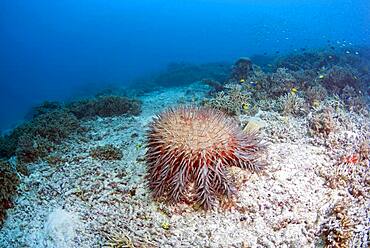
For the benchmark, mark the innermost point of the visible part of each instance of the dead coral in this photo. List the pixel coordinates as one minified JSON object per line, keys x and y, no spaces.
{"x":118,"y":240}
{"x":336,"y":230}
{"x":354,"y":100}
{"x":9,"y":182}
{"x":316,"y":94}
{"x":353,"y":169}
{"x":232,"y":101}
{"x":292,"y":104}
{"x":107,"y":152}
{"x":105,"y":106}
{"x":322,"y":123}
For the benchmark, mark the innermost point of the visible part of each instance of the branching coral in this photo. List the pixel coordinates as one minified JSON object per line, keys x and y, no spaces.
{"x":281,"y":82}
{"x":189,"y":151}
{"x":337,"y":229}
{"x":322,"y":123}
{"x":292,"y":104}
{"x":232,"y":100}
{"x":354,"y":100}
{"x":315,"y":94}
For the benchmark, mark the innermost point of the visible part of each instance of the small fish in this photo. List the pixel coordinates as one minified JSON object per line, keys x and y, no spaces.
{"x":330,"y":57}
{"x":242,"y":80}
{"x":294,"y":90}
{"x":348,"y":52}
{"x":357,"y":53}
{"x":321,"y":76}
{"x":316,"y":103}
{"x":245,"y":106}
{"x":253,"y":83}
{"x":332,"y":48}
{"x":165,"y":225}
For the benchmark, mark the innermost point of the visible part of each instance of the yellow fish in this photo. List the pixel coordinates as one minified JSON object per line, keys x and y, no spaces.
{"x":293,"y":90}
{"x":245,"y":106}
{"x":316,"y":103}
{"x":321,"y":76}
{"x":242,"y":80}
{"x":165,"y":225}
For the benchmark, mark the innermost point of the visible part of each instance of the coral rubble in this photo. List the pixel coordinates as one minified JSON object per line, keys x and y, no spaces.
{"x":107,"y":152}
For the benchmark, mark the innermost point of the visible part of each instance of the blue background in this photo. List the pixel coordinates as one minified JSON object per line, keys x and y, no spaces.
{"x":52,"y":50}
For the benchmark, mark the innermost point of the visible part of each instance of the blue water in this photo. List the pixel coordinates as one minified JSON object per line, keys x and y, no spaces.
{"x":53,"y":50}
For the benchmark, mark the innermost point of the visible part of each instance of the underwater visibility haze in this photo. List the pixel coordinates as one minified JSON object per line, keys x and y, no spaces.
{"x":52,"y":50}
{"x":184,"y":123}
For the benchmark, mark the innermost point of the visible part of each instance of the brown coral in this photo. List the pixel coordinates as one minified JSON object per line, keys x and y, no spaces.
{"x":322,"y":124}
{"x":189,"y":150}
{"x":8,"y":187}
{"x":107,"y":152}
{"x":337,"y":229}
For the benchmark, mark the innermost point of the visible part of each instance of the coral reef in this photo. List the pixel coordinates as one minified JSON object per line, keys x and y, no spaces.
{"x":107,"y":152}
{"x":337,"y":77}
{"x":281,"y":82}
{"x":314,"y":192}
{"x":316,"y":94}
{"x":322,"y":123}
{"x":105,"y":106}
{"x":232,"y":100}
{"x":241,"y":70}
{"x":39,"y":137}
{"x":337,"y":229}
{"x":36,"y":138}
{"x":44,"y":108}
{"x":197,"y":145}
{"x":292,"y":104}
{"x":8,"y":145}
{"x":215,"y":85}
{"x":354,"y":100}
{"x":180,"y":74}
{"x":9,"y":182}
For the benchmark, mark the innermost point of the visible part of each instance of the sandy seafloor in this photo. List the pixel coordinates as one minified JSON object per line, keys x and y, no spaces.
{"x":84,"y":202}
